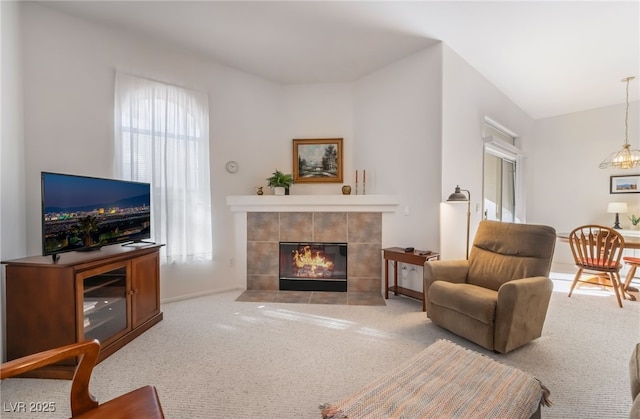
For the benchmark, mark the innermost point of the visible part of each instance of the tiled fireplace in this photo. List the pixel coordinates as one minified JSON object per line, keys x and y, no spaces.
{"x":262,"y":223}
{"x":361,"y":233}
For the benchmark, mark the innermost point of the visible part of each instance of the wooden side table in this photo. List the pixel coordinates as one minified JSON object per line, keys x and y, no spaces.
{"x":396,"y":255}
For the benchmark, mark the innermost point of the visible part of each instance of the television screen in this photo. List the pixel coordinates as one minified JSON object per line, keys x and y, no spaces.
{"x":86,"y":213}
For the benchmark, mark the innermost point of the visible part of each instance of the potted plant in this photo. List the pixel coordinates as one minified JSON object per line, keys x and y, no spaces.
{"x":634,"y":220}
{"x":280,"y":182}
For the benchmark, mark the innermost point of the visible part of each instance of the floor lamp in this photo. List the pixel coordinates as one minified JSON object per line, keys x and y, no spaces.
{"x":458,"y":196}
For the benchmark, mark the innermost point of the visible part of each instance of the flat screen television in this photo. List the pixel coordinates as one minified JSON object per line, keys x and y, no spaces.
{"x":81,"y":213}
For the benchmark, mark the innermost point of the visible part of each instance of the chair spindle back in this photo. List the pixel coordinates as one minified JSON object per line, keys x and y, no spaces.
{"x":596,"y":247}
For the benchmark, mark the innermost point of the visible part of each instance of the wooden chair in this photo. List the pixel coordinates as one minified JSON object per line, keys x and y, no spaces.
{"x":633,"y":266}
{"x":141,"y":403}
{"x":597,"y":250}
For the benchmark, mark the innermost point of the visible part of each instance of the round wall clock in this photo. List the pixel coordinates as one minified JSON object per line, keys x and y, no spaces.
{"x":231,"y":167}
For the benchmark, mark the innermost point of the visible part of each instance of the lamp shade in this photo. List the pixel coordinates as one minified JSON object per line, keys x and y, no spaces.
{"x":458,"y":196}
{"x":617,"y":207}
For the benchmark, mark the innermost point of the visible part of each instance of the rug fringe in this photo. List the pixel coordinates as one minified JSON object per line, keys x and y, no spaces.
{"x":546,"y":395}
{"x":331,"y":412}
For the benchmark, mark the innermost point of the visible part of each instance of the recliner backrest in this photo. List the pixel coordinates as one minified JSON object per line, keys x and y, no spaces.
{"x":503,"y":252}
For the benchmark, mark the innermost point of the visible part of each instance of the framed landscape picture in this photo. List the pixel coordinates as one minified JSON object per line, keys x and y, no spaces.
{"x":317,"y":160}
{"x":624,"y":184}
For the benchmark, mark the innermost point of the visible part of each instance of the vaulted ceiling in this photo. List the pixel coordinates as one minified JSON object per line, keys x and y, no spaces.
{"x":549,"y":57}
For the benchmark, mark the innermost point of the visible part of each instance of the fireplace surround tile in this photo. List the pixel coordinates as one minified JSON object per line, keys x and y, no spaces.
{"x":365,"y":227}
{"x":365,"y":260}
{"x":296,"y":226}
{"x":330,"y":227}
{"x":261,"y":259}
{"x":263,"y":282}
{"x":263,"y":226}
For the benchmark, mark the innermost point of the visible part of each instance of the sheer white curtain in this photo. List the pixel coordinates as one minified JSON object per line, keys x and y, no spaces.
{"x":162,"y":138}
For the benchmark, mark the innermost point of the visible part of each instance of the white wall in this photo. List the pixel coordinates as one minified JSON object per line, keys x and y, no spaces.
{"x":576,"y":191}
{"x":397,"y":131}
{"x":318,"y":111}
{"x":69,"y":69}
{"x":467,"y":99}
{"x":12,"y":195}
{"x":12,"y":219}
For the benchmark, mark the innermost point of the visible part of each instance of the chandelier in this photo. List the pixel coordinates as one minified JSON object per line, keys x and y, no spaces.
{"x":626,"y":158}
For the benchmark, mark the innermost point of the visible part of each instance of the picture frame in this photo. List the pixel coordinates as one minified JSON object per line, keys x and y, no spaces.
{"x":317,"y":160}
{"x":624,"y":184}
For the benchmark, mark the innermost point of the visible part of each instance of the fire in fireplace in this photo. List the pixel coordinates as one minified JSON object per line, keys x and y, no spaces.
{"x":313,"y":266}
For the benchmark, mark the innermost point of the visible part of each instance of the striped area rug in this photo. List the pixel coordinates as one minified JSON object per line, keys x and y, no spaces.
{"x":445,"y":381}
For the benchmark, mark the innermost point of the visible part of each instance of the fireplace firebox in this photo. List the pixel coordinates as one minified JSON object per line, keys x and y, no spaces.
{"x":313,"y":266}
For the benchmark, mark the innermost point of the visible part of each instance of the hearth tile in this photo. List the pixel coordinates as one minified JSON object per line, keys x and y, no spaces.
{"x":263,"y":226}
{"x":365,"y":227}
{"x":296,"y":226}
{"x":312,"y":297}
{"x":303,"y":297}
{"x":257,"y":296}
{"x":263,"y":282}
{"x":321,"y":297}
{"x":365,"y":299}
{"x":330,"y":227}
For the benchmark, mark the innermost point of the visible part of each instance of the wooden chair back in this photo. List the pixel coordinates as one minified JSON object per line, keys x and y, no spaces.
{"x":141,"y":403}
{"x":596,"y":248}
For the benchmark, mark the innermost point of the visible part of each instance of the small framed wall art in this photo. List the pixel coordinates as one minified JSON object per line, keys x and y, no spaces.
{"x":624,"y":184}
{"x":317,"y":160}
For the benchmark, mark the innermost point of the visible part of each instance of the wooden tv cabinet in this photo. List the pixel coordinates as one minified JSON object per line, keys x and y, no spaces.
{"x":112,"y":294}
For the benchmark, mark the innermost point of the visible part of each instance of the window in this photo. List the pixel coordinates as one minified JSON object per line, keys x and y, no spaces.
{"x":501,"y":175}
{"x":162,"y":137}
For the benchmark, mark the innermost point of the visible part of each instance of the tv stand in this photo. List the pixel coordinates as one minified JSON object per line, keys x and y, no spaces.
{"x":112,"y":295}
{"x":88,"y":249}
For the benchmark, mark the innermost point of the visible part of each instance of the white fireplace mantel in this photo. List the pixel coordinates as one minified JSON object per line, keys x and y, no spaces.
{"x":240,"y":205}
{"x":315,"y":203}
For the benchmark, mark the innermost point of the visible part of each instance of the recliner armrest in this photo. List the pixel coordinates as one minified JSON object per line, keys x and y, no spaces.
{"x":443,"y":270}
{"x":520,"y":311}
{"x":446,"y":270}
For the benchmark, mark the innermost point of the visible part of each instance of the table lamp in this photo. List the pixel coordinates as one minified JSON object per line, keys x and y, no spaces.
{"x":617,"y":208}
{"x":458,"y":196}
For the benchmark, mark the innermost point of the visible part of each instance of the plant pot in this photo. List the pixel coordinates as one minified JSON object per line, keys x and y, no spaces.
{"x":278,"y":190}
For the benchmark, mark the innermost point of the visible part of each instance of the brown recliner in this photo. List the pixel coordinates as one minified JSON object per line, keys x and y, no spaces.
{"x":499,"y":297}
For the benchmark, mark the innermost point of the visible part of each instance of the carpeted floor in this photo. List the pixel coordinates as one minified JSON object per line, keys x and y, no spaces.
{"x":214,"y":357}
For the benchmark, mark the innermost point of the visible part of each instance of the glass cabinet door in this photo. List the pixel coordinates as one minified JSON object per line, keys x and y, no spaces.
{"x":105,"y":304}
